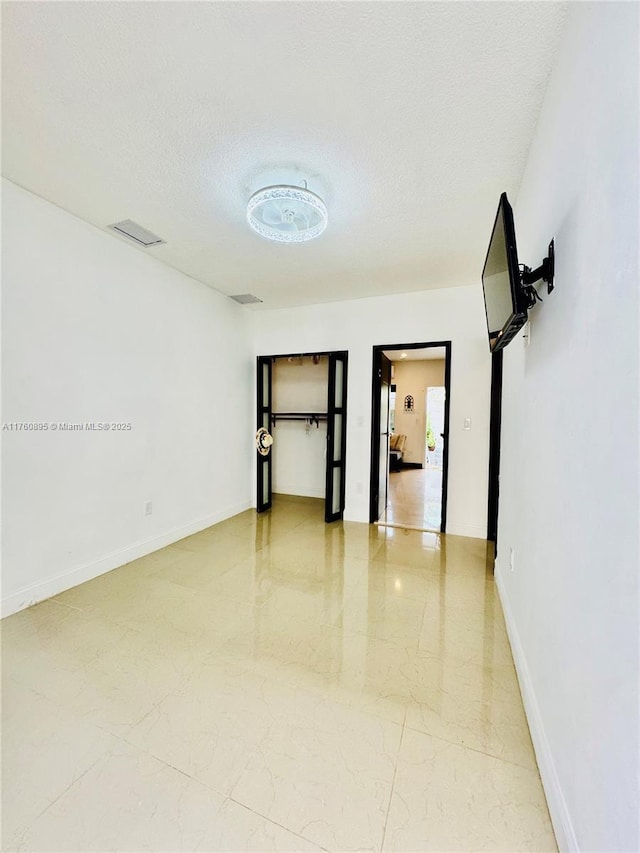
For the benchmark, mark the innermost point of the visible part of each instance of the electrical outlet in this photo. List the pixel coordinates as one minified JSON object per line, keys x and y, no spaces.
{"x":526,"y":334}
{"x":148,"y":508}
{"x":511,"y":558}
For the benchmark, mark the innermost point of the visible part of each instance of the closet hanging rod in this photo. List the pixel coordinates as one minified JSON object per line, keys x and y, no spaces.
{"x":313,"y":417}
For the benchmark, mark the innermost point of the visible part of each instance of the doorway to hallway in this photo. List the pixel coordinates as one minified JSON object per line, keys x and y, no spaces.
{"x":414,"y":499}
{"x":410,"y":423}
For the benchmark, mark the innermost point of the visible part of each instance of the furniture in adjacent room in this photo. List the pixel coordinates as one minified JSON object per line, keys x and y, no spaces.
{"x":396,"y":450}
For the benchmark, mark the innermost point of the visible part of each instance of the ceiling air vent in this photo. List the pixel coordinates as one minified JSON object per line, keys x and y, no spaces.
{"x":245,"y":298}
{"x":137,"y":233}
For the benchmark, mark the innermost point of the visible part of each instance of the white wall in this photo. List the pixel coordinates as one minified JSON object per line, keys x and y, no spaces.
{"x":569,"y":473}
{"x":414,"y":377}
{"x":455,"y":314}
{"x":94,"y":330}
{"x":299,"y":452}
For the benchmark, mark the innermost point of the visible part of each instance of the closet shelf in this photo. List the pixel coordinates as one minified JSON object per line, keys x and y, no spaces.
{"x":312,"y":417}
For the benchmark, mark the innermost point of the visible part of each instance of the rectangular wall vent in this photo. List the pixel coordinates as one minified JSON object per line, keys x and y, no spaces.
{"x":245,"y":298}
{"x":136,"y":232}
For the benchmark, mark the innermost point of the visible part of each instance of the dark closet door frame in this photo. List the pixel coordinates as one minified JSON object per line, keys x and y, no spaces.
{"x":336,"y":437}
{"x":379,"y":378}
{"x":342,"y":355}
{"x":375,"y":422}
{"x":264,"y":385}
{"x":494,"y":449}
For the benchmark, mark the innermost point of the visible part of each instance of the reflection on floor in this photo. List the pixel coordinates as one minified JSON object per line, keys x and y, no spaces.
{"x":272,"y":683}
{"x":415,"y":498}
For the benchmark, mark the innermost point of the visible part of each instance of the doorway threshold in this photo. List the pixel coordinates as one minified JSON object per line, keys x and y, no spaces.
{"x":407,"y":526}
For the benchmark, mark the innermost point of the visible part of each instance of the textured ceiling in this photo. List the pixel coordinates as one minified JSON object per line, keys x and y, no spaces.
{"x":409,"y":118}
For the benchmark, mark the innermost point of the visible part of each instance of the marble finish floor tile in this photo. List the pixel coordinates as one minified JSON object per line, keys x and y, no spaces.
{"x":54,"y":637}
{"x":210,"y":728}
{"x":472,"y":706}
{"x":126,"y":801}
{"x":240,"y":829}
{"x":391,"y":618}
{"x":45,"y":749}
{"x":324,"y":771}
{"x":372,"y":675}
{"x":272,"y":683}
{"x":446,"y":797}
{"x":117,"y":688}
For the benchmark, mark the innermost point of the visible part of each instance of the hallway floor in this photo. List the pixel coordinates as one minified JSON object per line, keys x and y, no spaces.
{"x":415,"y":498}
{"x":272,"y":683}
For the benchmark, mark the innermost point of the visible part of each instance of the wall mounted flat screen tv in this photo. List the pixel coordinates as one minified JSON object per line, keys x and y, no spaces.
{"x":505,"y":301}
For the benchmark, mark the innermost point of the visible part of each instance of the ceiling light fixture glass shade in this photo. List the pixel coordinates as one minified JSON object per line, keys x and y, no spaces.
{"x":287,"y":214}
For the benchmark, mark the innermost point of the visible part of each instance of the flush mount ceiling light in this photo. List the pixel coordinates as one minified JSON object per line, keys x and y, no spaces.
{"x":287,"y":214}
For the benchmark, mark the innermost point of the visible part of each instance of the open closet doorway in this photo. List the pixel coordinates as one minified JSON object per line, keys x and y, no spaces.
{"x":410,"y":426}
{"x":302,"y":411}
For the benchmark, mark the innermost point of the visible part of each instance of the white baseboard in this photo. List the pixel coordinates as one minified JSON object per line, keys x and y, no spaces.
{"x":472,"y":531}
{"x":44,"y":589}
{"x":560,"y":817}
{"x":298,"y":491}
{"x":355,"y":516}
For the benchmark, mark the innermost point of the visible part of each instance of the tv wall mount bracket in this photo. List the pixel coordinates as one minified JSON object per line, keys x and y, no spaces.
{"x":545,"y":271}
